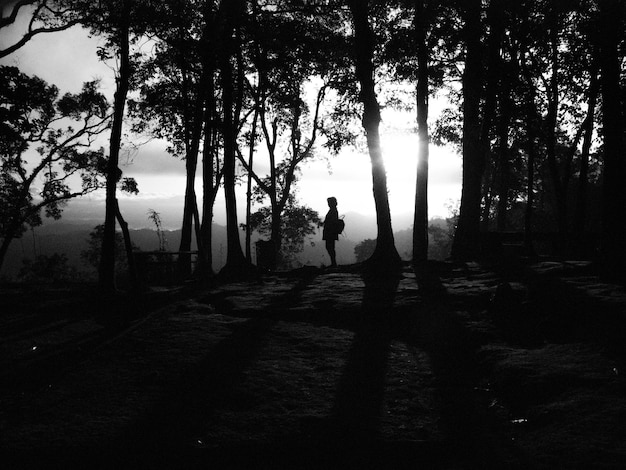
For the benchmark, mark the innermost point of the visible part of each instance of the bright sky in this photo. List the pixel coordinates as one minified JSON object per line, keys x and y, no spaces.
{"x":68,"y":58}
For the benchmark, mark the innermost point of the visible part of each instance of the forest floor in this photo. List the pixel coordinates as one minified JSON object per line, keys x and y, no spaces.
{"x":516,"y":365}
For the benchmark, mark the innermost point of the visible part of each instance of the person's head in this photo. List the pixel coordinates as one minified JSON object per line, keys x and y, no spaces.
{"x":332,"y":202}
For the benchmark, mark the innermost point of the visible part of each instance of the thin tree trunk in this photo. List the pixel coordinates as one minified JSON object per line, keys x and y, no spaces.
{"x":420,"y":217}
{"x":128,"y":246}
{"x":551,"y":127}
{"x":184,"y":260}
{"x":193,"y":123}
{"x":206,"y":232}
{"x":276,"y":233}
{"x":489,"y":182}
{"x":503,"y":156}
{"x":466,"y":244}
{"x":495,"y":17}
{"x":249,"y":185}
{"x":614,"y":196}
{"x":531,"y":136}
{"x":9,"y":236}
{"x":198,"y":269}
{"x":385,"y":257}
{"x":580,"y":214}
{"x":210,"y":179}
{"x":107,"y":258}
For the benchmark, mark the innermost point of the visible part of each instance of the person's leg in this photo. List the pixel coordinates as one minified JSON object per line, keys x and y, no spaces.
{"x":330,"y":247}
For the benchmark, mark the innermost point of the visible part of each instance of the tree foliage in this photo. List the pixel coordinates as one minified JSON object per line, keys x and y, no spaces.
{"x":298,"y":222}
{"x":46,"y":144}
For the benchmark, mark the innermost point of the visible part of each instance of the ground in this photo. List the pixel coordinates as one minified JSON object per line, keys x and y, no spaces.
{"x":516,"y":365}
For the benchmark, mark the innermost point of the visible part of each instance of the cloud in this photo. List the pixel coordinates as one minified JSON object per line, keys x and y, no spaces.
{"x":151,"y":158}
{"x":66,"y":59}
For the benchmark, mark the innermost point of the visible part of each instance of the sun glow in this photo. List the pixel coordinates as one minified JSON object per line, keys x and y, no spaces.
{"x":400,"y":152}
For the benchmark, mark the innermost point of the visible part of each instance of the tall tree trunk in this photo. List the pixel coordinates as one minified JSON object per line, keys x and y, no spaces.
{"x":531,"y":137}
{"x":210,"y":186}
{"x":208,"y":198}
{"x":580,"y":214}
{"x":236,"y":265}
{"x":506,"y":106}
{"x":466,"y":244}
{"x":495,"y":18}
{"x":252,"y":146}
{"x":385,"y":257}
{"x":234,"y":254}
{"x":207,"y":131}
{"x":551,"y":126}
{"x":613,"y":197}
{"x":107,"y":258}
{"x":420,"y":217}
{"x":193,"y":125}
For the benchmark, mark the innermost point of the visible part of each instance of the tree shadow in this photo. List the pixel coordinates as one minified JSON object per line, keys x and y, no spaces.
{"x":472,"y":434}
{"x":359,"y":400}
{"x":169,"y":434}
{"x":183,"y":414}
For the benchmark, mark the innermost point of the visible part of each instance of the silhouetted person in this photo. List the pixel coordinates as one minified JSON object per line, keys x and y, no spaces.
{"x":331,"y":231}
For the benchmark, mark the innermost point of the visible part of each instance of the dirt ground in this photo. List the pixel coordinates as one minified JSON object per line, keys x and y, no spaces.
{"x":456,"y":366}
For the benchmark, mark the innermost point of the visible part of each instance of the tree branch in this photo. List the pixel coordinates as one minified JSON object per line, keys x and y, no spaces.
{"x":6,"y":21}
{"x":32,"y":32}
{"x":257,"y":180}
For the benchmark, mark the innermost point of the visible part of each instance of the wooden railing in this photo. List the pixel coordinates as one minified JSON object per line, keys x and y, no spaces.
{"x":543,"y":243}
{"x":161,"y":268}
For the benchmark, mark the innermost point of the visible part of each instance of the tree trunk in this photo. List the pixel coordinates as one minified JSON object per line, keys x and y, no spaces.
{"x":252,"y":145}
{"x":4,"y":247}
{"x":210,"y":185}
{"x":420,"y":218}
{"x":107,"y":258}
{"x":466,"y":244}
{"x":193,"y":124}
{"x":9,"y":235}
{"x":184,"y":260}
{"x":276,"y":232}
{"x":234,"y":254}
{"x":504,"y":166}
{"x":614,"y":197}
{"x":385,"y":258}
{"x":580,"y":214}
{"x":531,"y":137}
{"x":551,"y":126}
{"x":236,"y":265}
{"x":489,"y":182}
{"x":210,"y":179}
{"x":128,"y":246}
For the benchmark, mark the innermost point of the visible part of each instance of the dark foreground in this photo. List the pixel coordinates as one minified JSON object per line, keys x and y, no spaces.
{"x":473,"y":367}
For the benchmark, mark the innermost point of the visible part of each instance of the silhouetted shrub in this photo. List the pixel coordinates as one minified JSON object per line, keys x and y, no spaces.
{"x":48,"y":269}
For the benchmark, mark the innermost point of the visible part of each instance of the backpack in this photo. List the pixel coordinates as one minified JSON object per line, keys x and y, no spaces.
{"x":340,"y":226}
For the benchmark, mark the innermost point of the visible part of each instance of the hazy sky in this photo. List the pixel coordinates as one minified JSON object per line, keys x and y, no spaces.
{"x":68,"y":58}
